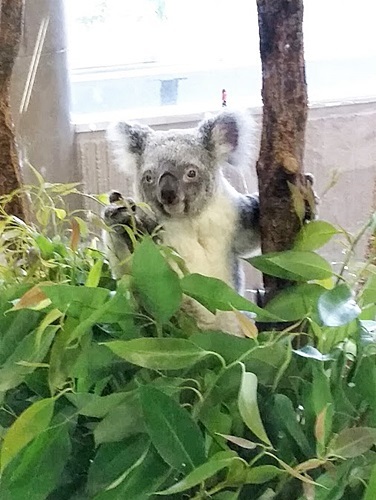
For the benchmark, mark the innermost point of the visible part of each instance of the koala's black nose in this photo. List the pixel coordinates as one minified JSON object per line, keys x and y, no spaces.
{"x":168,"y":185}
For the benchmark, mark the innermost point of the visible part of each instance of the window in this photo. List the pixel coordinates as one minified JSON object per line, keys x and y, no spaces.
{"x":142,"y":54}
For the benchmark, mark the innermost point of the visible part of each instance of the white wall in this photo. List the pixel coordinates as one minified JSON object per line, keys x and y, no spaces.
{"x":340,"y":138}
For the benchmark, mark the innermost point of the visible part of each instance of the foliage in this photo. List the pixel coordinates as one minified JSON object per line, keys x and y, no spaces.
{"x":108,"y":391}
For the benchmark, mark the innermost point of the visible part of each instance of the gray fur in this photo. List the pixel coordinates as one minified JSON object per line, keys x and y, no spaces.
{"x":178,"y":173}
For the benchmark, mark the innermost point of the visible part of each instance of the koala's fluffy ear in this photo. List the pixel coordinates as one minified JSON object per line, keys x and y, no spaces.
{"x":229,"y":137}
{"x":127,"y":144}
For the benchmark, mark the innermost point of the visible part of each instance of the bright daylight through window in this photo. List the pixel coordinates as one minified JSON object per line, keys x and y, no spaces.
{"x":142,"y":54}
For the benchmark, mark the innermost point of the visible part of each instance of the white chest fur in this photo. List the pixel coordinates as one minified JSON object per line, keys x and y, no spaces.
{"x":205,"y":241}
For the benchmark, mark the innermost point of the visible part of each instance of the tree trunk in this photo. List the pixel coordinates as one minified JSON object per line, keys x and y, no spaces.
{"x":11,"y":17}
{"x":282,"y":185}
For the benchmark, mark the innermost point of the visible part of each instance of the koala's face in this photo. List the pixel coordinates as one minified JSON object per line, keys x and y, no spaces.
{"x":177,"y":171}
{"x":176,"y":175}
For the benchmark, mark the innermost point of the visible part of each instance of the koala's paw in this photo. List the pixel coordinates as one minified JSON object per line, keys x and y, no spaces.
{"x":121,"y":212}
{"x":115,"y":196}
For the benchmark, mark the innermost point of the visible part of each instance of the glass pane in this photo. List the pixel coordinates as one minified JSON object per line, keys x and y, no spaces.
{"x":143,"y":54}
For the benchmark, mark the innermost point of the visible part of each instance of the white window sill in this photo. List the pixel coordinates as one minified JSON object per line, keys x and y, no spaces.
{"x":177,"y":115}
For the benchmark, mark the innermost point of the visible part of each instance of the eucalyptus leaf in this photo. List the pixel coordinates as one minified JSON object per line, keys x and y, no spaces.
{"x":214,"y":294}
{"x":94,"y":274}
{"x":314,"y":235}
{"x":296,"y":302}
{"x":14,"y":327}
{"x":248,"y":406}
{"x":311,"y":352}
{"x":156,"y":283}
{"x":243,"y":443}
{"x":158,"y":353}
{"x":114,"y":462}
{"x":293,"y":265}
{"x":122,"y":421}
{"x":77,"y":301}
{"x":262,"y":474}
{"x":352,"y":442}
{"x":287,"y":417}
{"x":174,"y":433}
{"x":32,"y":422}
{"x":139,"y":483}
{"x":337,"y":307}
{"x":25,"y":358}
{"x":96,"y":406}
{"x":370,"y":493}
{"x":368,"y":295}
{"x":47,"y":455}
{"x":219,"y":461}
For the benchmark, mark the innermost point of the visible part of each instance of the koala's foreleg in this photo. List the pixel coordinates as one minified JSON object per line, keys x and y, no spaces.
{"x":126,"y":224}
{"x":247,"y":234}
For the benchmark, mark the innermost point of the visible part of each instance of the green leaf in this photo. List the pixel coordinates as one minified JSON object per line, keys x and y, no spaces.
{"x":24,"y":359}
{"x":312,"y":353}
{"x":314,"y":234}
{"x":95,"y":274}
{"x":141,"y":482}
{"x":46,"y":457}
{"x":117,"y":309}
{"x":60,"y":213}
{"x":227,"y":495}
{"x":337,"y":307}
{"x":365,"y":380}
{"x":269,"y":361}
{"x":321,"y":393}
{"x":262,"y":474}
{"x":333,"y":335}
{"x":352,"y":442}
{"x":293,"y":471}
{"x":48,"y":320}
{"x":174,"y":433}
{"x":158,"y":353}
{"x":45,"y":245}
{"x":78,"y":301}
{"x":243,"y":443}
{"x":293,"y":265}
{"x":156,"y":283}
{"x":96,"y":406}
{"x":219,"y":461}
{"x":370,"y":493}
{"x":214,"y":294}
{"x":114,"y":461}
{"x":296,"y":302}
{"x":287,"y":417}
{"x":14,"y":327}
{"x":369,"y":292}
{"x":248,"y":408}
{"x":33,"y":421}
{"x":228,"y":346}
{"x":121,"y":422}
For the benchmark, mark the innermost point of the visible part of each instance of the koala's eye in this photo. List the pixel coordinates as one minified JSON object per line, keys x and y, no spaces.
{"x":148,"y":178}
{"x":191,"y":174}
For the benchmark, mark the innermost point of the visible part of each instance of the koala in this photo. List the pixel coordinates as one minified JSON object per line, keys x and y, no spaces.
{"x":179,"y":175}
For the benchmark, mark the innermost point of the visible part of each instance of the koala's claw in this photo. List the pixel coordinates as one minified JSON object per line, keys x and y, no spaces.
{"x":115,"y":196}
{"x":120,"y":212}
{"x":123,"y":213}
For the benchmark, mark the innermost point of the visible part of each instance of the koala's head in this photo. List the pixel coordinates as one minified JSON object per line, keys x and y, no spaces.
{"x":178,"y":171}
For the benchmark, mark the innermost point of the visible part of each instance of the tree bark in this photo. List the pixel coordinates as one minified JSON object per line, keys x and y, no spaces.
{"x":11,"y":19}
{"x":282,"y":185}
